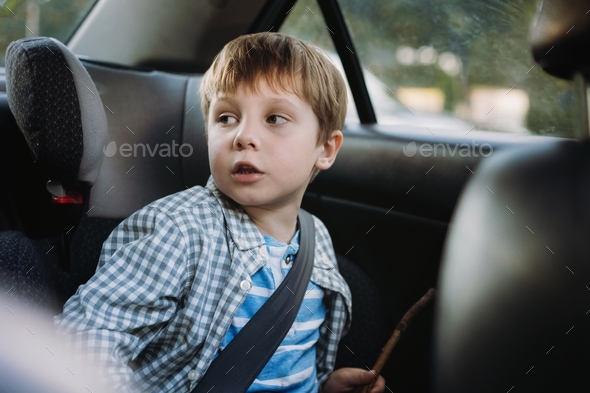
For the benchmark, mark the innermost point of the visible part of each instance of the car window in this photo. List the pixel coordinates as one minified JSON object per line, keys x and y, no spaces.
{"x":30,"y":18}
{"x":305,"y":21}
{"x":452,"y":64}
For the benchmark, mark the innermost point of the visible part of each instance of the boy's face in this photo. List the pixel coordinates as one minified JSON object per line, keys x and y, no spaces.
{"x":263,"y":146}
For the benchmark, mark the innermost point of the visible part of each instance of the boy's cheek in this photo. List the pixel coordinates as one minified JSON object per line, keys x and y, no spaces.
{"x":213,"y":146}
{"x":216,"y":139}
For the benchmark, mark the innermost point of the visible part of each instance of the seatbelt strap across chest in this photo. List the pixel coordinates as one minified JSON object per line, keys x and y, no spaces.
{"x":238,"y":365}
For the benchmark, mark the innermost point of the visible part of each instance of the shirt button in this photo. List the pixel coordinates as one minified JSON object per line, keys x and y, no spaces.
{"x":262,"y":251}
{"x":192,"y":375}
{"x":245,"y":285}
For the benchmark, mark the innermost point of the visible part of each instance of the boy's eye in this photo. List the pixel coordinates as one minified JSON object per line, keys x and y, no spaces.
{"x":227,"y":119}
{"x":276,"y":119}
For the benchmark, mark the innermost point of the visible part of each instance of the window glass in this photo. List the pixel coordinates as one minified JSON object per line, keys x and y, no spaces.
{"x":455,"y":64}
{"x":305,"y":21}
{"x":30,"y":18}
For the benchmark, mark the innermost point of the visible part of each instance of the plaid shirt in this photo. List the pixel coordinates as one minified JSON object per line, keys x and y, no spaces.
{"x":170,"y":279}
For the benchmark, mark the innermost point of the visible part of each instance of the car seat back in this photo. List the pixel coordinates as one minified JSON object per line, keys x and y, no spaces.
{"x":156,"y":142}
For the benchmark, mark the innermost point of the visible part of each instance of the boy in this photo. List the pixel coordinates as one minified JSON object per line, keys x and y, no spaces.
{"x":179,"y":278}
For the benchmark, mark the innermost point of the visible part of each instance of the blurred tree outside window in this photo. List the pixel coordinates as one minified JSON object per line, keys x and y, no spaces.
{"x":35,"y":18}
{"x":460,"y":63}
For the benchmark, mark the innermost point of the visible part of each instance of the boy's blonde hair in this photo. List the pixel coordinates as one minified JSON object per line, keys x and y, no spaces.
{"x":286,"y":63}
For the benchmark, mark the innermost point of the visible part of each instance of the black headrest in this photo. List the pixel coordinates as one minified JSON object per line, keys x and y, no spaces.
{"x":57,"y":107}
{"x":514,"y":285}
{"x":559,"y":37}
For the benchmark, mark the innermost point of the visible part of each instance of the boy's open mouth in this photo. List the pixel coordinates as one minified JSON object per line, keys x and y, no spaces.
{"x":245,"y":168}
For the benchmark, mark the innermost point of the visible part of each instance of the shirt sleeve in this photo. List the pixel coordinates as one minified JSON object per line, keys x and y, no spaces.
{"x":138,"y":284}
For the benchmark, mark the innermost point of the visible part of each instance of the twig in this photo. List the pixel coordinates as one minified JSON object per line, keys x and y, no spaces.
{"x":399,"y":329}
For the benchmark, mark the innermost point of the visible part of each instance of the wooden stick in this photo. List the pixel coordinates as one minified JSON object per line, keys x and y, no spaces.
{"x":399,"y":329}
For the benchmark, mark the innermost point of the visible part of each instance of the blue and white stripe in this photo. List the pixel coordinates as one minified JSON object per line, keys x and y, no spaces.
{"x":293,"y":365}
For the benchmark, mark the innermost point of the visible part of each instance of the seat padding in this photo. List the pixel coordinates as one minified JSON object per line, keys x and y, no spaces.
{"x":369,"y":330}
{"x":28,"y":271}
{"x":155,"y":145}
{"x":57,"y":108}
{"x":514,"y":285}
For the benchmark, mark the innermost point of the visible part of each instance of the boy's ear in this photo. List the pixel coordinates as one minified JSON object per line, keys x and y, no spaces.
{"x":330,"y":150}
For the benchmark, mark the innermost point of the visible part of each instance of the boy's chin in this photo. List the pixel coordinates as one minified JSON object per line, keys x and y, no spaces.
{"x":258,"y":197}
{"x":250,"y":201}
{"x":265,"y":201}
{"x":243,"y":197}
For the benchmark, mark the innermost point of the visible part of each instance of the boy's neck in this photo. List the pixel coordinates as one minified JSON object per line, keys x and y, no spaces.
{"x":280,"y":224}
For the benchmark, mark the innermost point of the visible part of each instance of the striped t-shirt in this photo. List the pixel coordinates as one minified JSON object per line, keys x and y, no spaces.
{"x":292,"y":368}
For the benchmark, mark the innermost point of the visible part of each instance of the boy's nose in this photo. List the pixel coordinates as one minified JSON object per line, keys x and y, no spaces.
{"x":245,"y":138}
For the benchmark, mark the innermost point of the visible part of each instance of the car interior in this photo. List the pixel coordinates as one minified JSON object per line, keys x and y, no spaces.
{"x":496,"y":240}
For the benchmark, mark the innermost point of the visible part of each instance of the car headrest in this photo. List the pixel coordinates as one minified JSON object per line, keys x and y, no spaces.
{"x":559,"y":35}
{"x":57,"y":107}
{"x":512,"y":309}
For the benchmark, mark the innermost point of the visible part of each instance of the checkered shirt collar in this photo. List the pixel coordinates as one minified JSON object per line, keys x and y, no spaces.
{"x":242,"y":229}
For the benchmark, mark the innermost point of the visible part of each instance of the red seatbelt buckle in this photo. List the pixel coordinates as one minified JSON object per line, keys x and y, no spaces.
{"x":62,"y":196}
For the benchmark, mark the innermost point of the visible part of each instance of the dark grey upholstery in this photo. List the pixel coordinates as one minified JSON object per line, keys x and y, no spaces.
{"x":28,"y":271}
{"x":85,"y":251}
{"x":515,"y":276}
{"x":369,"y":330}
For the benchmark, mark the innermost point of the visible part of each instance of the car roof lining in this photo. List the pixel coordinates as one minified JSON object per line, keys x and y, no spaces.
{"x":186,"y":39}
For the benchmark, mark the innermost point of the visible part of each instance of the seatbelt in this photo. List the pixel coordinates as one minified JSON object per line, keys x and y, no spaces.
{"x":238,"y":365}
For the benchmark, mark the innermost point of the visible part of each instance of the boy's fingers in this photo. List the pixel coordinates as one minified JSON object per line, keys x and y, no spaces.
{"x":365,"y":376}
{"x":379,"y":385}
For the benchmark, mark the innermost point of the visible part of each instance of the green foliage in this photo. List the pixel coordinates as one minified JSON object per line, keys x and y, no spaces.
{"x":10,"y":7}
{"x":57,"y":18}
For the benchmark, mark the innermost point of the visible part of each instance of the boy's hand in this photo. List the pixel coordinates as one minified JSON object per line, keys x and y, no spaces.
{"x":346,"y":379}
